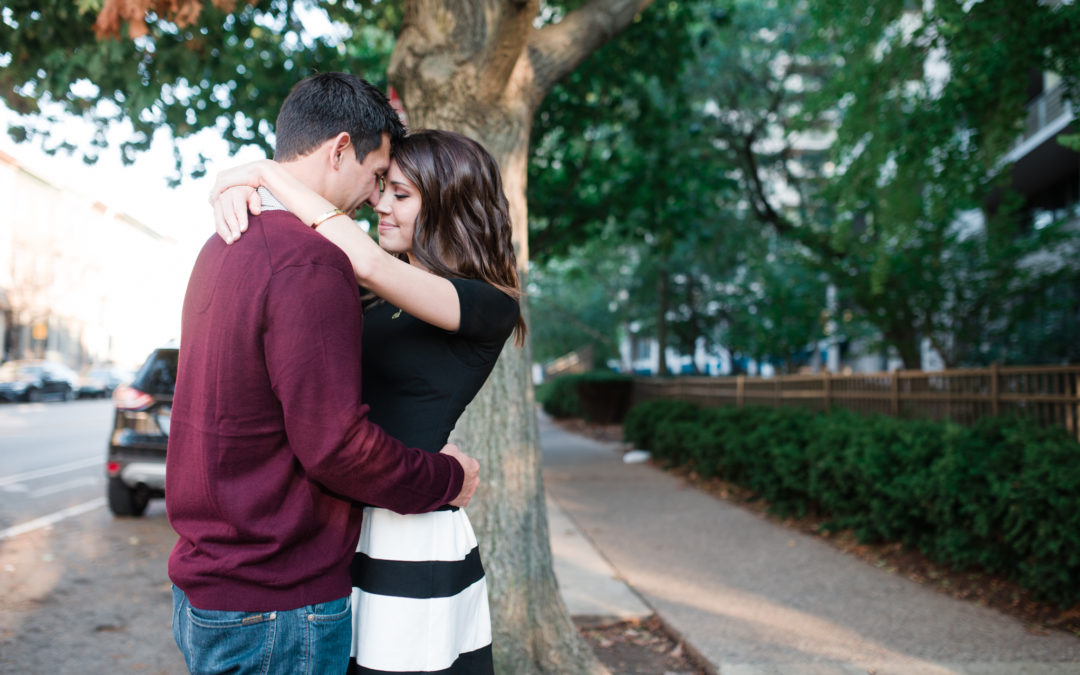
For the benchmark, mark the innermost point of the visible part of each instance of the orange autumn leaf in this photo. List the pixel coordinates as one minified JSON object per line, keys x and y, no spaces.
{"x":115,"y":13}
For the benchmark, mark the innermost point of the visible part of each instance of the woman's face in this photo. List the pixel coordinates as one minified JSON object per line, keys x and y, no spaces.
{"x":397,"y":208}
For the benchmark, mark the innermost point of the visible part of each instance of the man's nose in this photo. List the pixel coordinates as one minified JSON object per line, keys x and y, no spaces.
{"x":377,"y":201}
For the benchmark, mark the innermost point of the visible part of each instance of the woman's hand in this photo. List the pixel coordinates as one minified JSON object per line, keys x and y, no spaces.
{"x":250,"y":174}
{"x":231,"y":211}
{"x":233,"y":194}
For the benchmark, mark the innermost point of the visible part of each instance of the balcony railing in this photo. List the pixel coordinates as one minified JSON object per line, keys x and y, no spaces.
{"x":1044,"y":111}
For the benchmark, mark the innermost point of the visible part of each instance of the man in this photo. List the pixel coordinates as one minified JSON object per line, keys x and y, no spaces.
{"x":270,"y":448}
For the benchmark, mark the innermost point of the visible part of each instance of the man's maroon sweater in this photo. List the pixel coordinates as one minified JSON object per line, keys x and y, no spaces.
{"x":270,"y":443}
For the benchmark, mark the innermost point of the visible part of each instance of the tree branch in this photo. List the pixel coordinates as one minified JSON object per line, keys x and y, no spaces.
{"x":765,"y":212}
{"x":445,"y":45}
{"x":584,"y":327}
{"x":558,"y":48}
{"x":506,"y":36}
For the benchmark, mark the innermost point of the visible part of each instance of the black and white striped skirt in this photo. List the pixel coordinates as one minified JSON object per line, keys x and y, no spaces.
{"x":419,"y":600}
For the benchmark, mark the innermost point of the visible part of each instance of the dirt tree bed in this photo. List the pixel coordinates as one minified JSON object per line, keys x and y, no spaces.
{"x":640,"y":648}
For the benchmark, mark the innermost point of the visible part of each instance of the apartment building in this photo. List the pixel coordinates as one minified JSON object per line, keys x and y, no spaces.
{"x":1044,"y":171}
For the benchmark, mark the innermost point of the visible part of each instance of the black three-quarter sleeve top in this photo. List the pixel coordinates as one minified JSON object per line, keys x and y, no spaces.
{"x":418,"y":378}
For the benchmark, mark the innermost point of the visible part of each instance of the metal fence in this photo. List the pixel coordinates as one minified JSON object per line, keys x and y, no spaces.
{"x":1050,"y":394}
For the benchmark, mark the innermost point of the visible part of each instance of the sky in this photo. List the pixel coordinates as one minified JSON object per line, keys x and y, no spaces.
{"x":141,"y":189}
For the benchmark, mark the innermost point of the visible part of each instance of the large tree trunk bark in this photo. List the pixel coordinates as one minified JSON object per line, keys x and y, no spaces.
{"x":532,"y":630}
{"x":482,"y":69}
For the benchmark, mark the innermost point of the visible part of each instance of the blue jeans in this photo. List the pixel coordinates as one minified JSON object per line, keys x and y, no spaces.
{"x":310,"y":640}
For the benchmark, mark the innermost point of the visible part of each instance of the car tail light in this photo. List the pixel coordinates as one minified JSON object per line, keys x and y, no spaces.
{"x":130,"y":398}
{"x":112,"y":468}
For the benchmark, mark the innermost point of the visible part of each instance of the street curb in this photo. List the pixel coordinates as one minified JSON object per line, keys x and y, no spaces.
{"x":695,"y":655}
{"x":603,"y":620}
{"x":584,"y":572}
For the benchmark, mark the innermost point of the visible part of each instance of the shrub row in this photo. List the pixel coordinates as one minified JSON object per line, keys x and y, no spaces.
{"x":599,"y":396}
{"x":1003,"y":495}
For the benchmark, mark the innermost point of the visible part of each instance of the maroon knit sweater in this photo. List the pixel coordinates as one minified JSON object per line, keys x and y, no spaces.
{"x":270,"y":443}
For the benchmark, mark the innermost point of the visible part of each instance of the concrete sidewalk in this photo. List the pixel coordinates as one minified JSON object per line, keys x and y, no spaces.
{"x":752,"y":597}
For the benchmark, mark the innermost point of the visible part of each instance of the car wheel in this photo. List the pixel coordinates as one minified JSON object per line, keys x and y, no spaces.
{"x":33,"y":395}
{"x":69,"y":395}
{"x":126,"y":501}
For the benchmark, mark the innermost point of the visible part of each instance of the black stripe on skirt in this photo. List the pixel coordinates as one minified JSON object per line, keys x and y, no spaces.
{"x":477,"y":662}
{"x":416,"y":579}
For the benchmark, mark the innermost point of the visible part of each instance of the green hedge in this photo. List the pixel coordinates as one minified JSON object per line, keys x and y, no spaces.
{"x":600,"y":396}
{"x":1003,"y":495}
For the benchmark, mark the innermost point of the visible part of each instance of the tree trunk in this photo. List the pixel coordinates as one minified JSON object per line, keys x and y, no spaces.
{"x":532,"y":630}
{"x":482,"y":69}
{"x":907,"y":343}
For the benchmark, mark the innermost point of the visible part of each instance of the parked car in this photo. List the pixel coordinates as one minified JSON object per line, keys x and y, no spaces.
{"x":37,"y":381}
{"x":136,"y":461}
{"x":101,"y":381}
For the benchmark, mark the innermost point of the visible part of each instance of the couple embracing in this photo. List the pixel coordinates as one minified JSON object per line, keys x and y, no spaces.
{"x":321,"y":530}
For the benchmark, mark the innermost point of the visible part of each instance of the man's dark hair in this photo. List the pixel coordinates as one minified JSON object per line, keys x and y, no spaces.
{"x":322,"y":106}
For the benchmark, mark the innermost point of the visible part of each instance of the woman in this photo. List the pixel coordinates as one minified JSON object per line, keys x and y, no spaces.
{"x":446,"y":303}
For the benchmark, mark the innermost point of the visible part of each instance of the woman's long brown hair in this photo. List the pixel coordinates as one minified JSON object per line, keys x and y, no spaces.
{"x":463,"y":228}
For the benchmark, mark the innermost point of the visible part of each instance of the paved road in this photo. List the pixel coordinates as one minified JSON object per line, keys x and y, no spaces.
{"x":89,"y":595}
{"x":51,"y":461}
{"x":80,"y":591}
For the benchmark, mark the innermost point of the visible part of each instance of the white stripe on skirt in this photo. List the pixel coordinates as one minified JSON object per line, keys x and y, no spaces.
{"x":439,"y":535}
{"x":418,"y":634}
{"x":410,"y":634}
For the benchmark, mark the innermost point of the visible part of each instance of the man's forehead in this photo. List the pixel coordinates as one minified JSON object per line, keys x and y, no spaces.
{"x":379,"y":158}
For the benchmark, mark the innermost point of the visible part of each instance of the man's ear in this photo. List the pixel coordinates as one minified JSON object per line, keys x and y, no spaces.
{"x":339,"y":145}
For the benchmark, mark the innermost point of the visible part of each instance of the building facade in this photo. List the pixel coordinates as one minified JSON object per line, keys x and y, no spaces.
{"x":81,"y":282}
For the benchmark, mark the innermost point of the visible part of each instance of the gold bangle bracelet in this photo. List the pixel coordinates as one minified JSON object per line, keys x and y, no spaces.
{"x":326,"y":216}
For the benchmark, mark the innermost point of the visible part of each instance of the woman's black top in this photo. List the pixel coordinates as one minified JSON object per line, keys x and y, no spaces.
{"x":417,"y":378}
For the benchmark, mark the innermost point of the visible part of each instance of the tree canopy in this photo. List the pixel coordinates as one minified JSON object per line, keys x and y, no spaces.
{"x":225,"y":67}
{"x":869,"y":136}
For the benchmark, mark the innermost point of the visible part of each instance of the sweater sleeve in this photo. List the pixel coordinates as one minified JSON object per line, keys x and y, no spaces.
{"x":312,"y":330}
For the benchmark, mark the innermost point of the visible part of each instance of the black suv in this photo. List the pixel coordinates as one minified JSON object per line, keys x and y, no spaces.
{"x":136,"y":462}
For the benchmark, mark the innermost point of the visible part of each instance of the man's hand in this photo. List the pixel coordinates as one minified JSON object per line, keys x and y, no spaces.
{"x":472,"y":474}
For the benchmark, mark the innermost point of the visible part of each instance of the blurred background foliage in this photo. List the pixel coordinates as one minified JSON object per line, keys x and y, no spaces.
{"x":744,"y":160}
